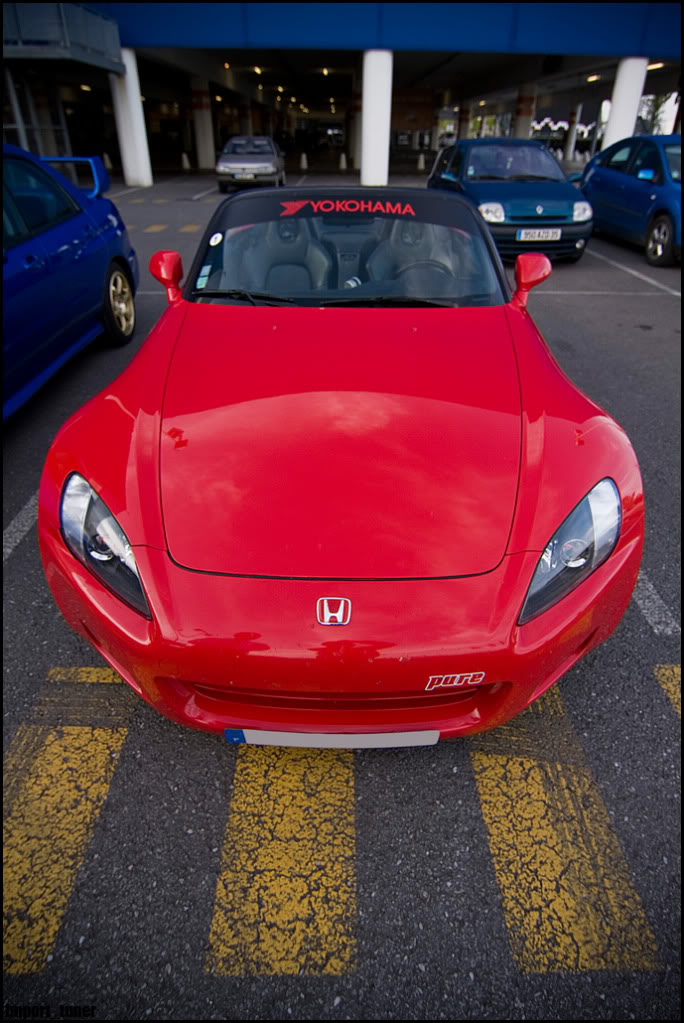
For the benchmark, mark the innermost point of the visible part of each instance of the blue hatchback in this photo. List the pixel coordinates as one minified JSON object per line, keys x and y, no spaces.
{"x":635,"y":188}
{"x":521,"y":191}
{"x":69,"y":271}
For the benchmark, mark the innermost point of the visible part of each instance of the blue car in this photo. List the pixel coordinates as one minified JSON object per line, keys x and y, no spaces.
{"x":521,"y":191}
{"x":635,"y":188}
{"x":69,"y":271}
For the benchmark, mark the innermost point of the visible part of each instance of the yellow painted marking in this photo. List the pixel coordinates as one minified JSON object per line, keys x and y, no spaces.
{"x":568,"y":898}
{"x":159,"y":202}
{"x":83,"y":675}
{"x":154,"y":228}
{"x":46,"y":834}
{"x":187,"y":228}
{"x":286,"y":892}
{"x":133,"y":202}
{"x":213,"y":199}
{"x":670,"y":678}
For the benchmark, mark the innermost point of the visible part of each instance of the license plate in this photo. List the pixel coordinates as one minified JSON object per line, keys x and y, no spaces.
{"x":243,"y":177}
{"x":539,"y":234}
{"x":330,"y":740}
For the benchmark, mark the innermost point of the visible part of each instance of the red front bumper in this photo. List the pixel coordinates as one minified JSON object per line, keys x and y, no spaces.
{"x":226,"y":652}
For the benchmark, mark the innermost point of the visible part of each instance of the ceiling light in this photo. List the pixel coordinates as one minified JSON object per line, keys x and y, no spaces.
{"x":260,"y":87}
{"x":277,"y":99}
{"x":593,"y":78}
{"x":226,"y":66}
{"x":86,"y":88}
{"x":257,"y":70}
{"x":483,"y":102}
{"x":218,"y":98}
{"x":655,"y":67}
{"x":281,"y":88}
{"x":325,"y":70}
{"x":293,"y":99}
{"x":455,"y":110}
{"x":332,"y":99}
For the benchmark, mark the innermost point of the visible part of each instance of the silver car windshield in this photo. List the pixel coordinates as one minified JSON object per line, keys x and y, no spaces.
{"x":674,"y":160}
{"x":248,"y":147}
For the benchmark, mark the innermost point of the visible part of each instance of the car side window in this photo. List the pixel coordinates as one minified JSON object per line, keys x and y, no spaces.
{"x":41,"y":202}
{"x":14,"y":230}
{"x":619,"y":158}
{"x":648,"y":159}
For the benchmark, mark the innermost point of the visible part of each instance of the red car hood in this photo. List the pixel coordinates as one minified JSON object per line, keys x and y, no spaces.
{"x":340,"y":443}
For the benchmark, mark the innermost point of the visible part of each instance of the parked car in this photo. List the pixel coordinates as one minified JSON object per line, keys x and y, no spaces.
{"x":348,"y":496}
{"x":69,"y":271}
{"x":521,"y":191}
{"x":635,"y":189}
{"x":250,"y":160}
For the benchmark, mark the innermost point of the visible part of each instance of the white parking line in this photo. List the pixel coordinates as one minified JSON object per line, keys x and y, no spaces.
{"x":654,"y":609}
{"x":620,"y":294}
{"x":126,"y":191}
{"x":22,"y":522}
{"x":635,"y":273}
{"x":200,"y":195}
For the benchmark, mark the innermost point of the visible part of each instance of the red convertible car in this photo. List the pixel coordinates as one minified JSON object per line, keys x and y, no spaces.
{"x":343,"y":495}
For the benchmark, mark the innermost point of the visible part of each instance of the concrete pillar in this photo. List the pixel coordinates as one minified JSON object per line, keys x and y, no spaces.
{"x":130,"y":123}
{"x":356,"y":131}
{"x":376,"y":116}
{"x":16,"y":110}
{"x":571,"y":140}
{"x":465,"y":113}
{"x":434,"y":135}
{"x":204,"y":128}
{"x":525,"y":110}
{"x":246,"y":125}
{"x":624,"y":103}
{"x":46,"y":131}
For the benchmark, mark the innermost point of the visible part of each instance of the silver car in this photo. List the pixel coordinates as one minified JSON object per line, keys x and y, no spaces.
{"x":250,"y":160}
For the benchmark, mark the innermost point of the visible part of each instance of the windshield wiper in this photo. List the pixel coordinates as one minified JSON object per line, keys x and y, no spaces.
{"x":250,"y":296}
{"x":533,"y":177}
{"x":359,"y":300}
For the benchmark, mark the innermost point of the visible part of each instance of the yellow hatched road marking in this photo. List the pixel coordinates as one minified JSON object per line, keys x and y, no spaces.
{"x":569,"y":902}
{"x":81,"y":674}
{"x":159,"y":202}
{"x":286,"y":892}
{"x":46,"y":834}
{"x":134,"y":202}
{"x":187,"y":228}
{"x":670,"y":678}
{"x":155,"y":228}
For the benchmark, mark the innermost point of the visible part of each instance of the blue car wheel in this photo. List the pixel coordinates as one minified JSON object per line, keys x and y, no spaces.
{"x":119,"y":307}
{"x":660,"y":241}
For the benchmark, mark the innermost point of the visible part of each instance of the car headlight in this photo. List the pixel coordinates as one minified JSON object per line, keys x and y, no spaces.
{"x":94,"y":536}
{"x":579,"y":545}
{"x":582,"y":211}
{"x":493,"y":212}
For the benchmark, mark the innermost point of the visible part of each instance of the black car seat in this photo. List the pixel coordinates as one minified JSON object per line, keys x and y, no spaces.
{"x":409,"y":242}
{"x":285,"y":258}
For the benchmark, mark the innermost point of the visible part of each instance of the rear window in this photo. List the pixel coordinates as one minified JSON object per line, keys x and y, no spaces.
{"x":358,"y":248}
{"x":673,"y":155}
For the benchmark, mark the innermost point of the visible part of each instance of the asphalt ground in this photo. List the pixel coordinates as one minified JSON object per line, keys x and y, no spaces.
{"x":152,"y":872}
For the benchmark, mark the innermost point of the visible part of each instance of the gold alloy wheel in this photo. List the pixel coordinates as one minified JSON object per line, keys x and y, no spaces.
{"x":121,"y":302}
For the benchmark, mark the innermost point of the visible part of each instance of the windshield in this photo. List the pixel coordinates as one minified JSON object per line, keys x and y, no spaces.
{"x":347,"y":251}
{"x":674,"y":160}
{"x":511,"y":163}
{"x":249,"y":147}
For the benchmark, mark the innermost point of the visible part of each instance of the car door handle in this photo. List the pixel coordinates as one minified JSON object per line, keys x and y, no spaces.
{"x":33,"y":262}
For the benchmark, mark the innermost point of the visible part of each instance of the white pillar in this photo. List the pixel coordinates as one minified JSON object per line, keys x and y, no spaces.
{"x":624,"y":103}
{"x":204,"y":129}
{"x":130,"y":123}
{"x":525,"y":110}
{"x":376,"y":116}
{"x":356,"y":131}
{"x":571,"y":140}
{"x":464,"y":117}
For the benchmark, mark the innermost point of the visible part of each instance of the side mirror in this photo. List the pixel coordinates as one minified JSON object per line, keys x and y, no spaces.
{"x":647,"y":174}
{"x":530,"y":270}
{"x":574,"y":178}
{"x":167,"y":268}
{"x":101,"y":182}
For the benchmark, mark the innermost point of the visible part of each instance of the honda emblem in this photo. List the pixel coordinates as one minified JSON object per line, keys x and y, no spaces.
{"x":333,"y":610}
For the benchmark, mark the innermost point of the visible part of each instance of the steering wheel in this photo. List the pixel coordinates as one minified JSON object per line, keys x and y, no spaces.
{"x":424,"y":264}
